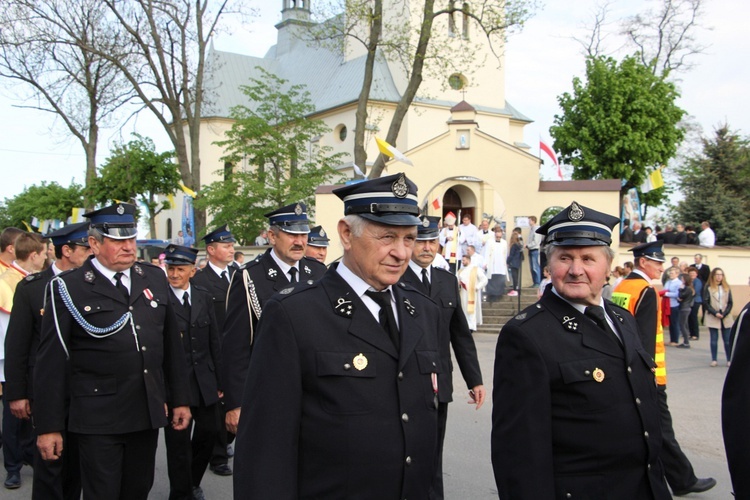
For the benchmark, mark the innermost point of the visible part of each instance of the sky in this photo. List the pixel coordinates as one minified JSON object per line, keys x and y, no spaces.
{"x":540,"y":63}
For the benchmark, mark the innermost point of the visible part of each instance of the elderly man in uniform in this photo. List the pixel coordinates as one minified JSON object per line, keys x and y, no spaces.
{"x":57,"y":479}
{"x":575,"y":411}
{"x":341,"y":396}
{"x":735,"y":407}
{"x":636,"y":294}
{"x":215,"y":278}
{"x":281,"y":265}
{"x":187,"y":458}
{"x":111,"y":325}
{"x":317,"y":244}
{"x":442,"y":287}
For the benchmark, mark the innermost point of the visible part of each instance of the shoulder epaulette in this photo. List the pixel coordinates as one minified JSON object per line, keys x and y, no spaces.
{"x":33,"y":277}
{"x":526,"y":314}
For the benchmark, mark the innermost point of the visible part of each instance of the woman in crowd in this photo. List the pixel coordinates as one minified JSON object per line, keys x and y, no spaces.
{"x":672,"y":290}
{"x":515,"y":256}
{"x":687,"y":296}
{"x":619,"y":274}
{"x":697,"y":302}
{"x":717,"y":301}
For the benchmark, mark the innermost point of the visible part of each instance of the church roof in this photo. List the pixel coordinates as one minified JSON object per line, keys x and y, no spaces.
{"x":331,"y":81}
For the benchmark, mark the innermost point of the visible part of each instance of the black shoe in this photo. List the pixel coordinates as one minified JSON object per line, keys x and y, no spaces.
{"x":684,"y":346}
{"x":703,"y":484}
{"x":13,"y":480}
{"x":221,"y":469}
{"x":198,"y":493}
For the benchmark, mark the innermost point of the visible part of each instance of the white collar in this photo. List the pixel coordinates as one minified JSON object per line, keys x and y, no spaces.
{"x":108,"y":273}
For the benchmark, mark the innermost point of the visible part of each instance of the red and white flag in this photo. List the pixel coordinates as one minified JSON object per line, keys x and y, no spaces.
{"x":551,"y":153}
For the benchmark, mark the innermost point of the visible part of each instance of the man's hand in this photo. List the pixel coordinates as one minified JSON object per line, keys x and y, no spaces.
{"x":477,"y":395}
{"x":232,"y":420}
{"x":50,"y":445}
{"x":180,"y":418}
{"x":20,"y":408}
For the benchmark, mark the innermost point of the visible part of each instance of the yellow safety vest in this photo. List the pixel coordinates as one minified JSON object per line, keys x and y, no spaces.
{"x":626,"y":295}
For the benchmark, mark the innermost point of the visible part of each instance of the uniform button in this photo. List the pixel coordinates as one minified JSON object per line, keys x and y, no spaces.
{"x":408,"y":460}
{"x":137,"y":327}
{"x":96,"y":390}
{"x":434,"y":364}
{"x":568,"y":495}
{"x":347,"y":366}
{"x":450,"y":304}
{"x":405,"y":417}
{"x":587,"y":373}
{"x":645,"y":434}
{"x":648,"y":467}
{"x":143,"y":348}
{"x":630,"y":370}
{"x":145,"y":371}
{"x":130,"y":308}
{"x":638,"y":401}
{"x":401,"y":375}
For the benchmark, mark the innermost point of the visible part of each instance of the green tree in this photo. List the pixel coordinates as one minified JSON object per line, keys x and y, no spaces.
{"x":715,"y":183}
{"x":135,"y":172}
{"x":46,"y":201}
{"x":273,"y":157}
{"x":621,"y":123}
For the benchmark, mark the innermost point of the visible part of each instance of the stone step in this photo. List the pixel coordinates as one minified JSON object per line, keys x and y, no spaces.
{"x":496,"y":314}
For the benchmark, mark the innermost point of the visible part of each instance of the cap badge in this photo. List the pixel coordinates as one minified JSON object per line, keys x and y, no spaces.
{"x":120,"y":210}
{"x":399,"y":187}
{"x":425,"y":222}
{"x":360,"y":362}
{"x":344,"y":307}
{"x":576,"y":212}
{"x":598,"y":375}
{"x":298,"y":209}
{"x":322,"y":233}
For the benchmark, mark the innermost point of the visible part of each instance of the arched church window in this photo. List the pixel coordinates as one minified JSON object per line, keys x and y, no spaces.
{"x":465,"y":24}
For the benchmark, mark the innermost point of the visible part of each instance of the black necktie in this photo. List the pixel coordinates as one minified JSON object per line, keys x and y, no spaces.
{"x":121,"y":286}
{"x":293,"y":275}
{"x":597,"y":314}
{"x":186,"y":300}
{"x":385,"y":316}
{"x":425,"y":280}
{"x":224,"y":275}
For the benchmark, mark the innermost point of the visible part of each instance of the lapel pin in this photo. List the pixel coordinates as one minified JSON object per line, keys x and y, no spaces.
{"x":360,"y":362}
{"x":598,"y":375}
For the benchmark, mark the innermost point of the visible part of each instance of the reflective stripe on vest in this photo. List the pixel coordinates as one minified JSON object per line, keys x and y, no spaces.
{"x":626,"y":295}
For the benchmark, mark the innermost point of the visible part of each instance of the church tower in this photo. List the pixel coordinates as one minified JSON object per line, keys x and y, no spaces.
{"x":295,"y":15}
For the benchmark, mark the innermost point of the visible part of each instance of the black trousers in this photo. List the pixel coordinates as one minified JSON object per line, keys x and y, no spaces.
{"x":437,"y":490}
{"x":58,"y":479}
{"x":677,"y":468}
{"x":117,"y":466}
{"x":187,"y":458}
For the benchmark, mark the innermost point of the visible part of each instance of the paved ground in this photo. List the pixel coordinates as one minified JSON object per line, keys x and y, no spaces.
{"x":694,"y":398}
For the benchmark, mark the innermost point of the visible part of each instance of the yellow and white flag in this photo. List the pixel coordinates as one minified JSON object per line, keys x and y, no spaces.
{"x":394,"y":153}
{"x":653,"y":181}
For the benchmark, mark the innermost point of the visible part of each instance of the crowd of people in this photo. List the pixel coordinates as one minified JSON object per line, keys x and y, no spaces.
{"x":673,"y":234}
{"x":335,"y":382}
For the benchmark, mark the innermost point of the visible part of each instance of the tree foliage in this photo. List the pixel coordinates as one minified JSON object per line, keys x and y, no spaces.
{"x":42,"y":54}
{"x":716,"y":183}
{"x":621,"y":123}
{"x":46,"y":201}
{"x":273,"y":156}
{"x":135,"y":172}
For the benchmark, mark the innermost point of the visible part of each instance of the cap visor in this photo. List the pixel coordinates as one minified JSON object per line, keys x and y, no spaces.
{"x":295,"y":228}
{"x":393,"y":219}
{"x":578,"y":242}
{"x":118,"y":233}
